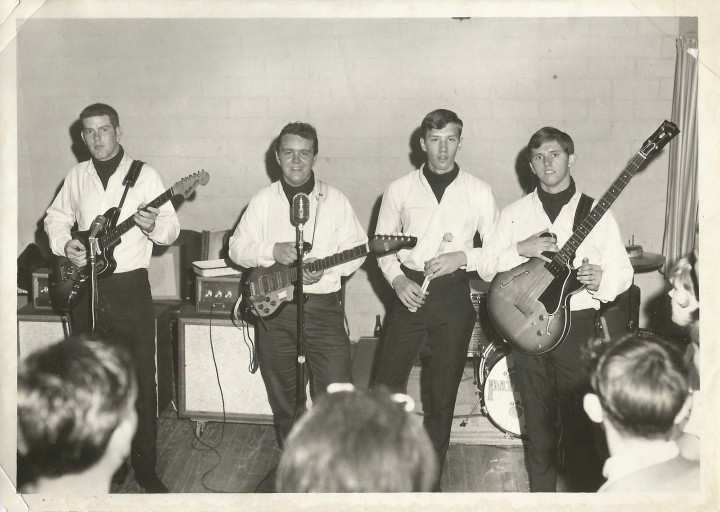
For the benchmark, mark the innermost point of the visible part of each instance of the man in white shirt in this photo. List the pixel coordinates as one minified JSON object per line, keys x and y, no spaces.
{"x":444,"y":207}
{"x":641,"y":395}
{"x":552,"y":384}
{"x":265,"y":236}
{"x":125,"y":311}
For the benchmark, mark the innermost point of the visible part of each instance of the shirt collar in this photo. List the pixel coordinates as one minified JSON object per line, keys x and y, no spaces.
{"x":640,"y":457}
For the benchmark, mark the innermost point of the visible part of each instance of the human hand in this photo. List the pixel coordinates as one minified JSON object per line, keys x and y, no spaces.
{"x":590,"y":275}
{"x":535,"y":245}
{"x":311,"y":277}
{"x":76,"y":253}
{"x":145,"y":217}
{"x":285,"y":253}
{"x":409,"y":292}
{"x":444,"y":264}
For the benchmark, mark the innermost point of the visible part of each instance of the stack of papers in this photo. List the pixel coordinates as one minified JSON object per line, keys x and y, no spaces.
{"x":212,"y":268}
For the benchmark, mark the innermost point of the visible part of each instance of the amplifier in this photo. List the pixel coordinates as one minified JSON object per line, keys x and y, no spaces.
{"x":217,"y":294}
{"x":40,"y":290}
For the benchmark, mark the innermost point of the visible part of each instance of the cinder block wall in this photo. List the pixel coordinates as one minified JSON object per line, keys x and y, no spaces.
{"x":212,"y":94}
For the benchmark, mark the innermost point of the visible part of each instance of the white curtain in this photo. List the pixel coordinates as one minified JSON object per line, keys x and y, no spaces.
{"x":681,"y":214}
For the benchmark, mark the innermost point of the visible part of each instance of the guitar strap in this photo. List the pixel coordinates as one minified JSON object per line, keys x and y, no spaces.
{"x":130,"y":179}
{"x":583,"y":209}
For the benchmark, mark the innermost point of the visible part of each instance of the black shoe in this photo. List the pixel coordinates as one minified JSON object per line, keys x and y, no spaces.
{"x":152,"y":484}
{"x":121,"y":474}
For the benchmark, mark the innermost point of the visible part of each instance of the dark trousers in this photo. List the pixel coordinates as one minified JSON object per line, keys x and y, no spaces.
{"x":552,"y":386}
{"x":125,"y":316}
{"x":327,"y":349}
{"x":442,"y":326}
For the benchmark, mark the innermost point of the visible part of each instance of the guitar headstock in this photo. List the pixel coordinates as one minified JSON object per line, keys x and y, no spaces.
{"x":385,"y":244}
{"x":658,"y":140}
{"x":187,"y":185}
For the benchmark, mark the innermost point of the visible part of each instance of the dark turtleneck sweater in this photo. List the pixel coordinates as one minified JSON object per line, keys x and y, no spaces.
{"x":305,"y":188}
{"x":439,"y":182}
{"x":553,"y":203}
{"x":107,"y":168}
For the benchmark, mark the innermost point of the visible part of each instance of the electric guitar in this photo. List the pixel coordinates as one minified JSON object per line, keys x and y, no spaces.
{"x":529,"y":305}
{"x":266,"y":289}
{"x":68,"y":282}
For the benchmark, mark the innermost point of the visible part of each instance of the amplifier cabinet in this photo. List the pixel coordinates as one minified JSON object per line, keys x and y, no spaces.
{"x":37,"y":329}
{"x":214,"y":360}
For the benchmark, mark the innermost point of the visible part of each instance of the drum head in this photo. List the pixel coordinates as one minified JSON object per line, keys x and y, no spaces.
{"x":501,"y":398}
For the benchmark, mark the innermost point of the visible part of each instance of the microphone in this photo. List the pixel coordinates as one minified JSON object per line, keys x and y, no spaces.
{"x":97,"y":225}
{"x":300,"y":212}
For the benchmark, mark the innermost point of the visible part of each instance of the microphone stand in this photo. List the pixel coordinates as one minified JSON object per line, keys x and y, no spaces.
{"x":300,"y":407}
{"x":92,"y":242}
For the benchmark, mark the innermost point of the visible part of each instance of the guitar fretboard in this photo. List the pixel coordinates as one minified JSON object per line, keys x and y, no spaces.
{"x":559,"y":262}
{"x":113,"y":234}
{"x":286,"y":277}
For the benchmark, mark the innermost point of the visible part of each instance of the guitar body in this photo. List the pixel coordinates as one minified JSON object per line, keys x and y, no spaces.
{"x":266,"y":289}
{"x":263,"y":300}
{"x":530,"y":307}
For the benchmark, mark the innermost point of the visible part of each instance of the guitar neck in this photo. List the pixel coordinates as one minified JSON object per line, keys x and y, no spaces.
{"x":113,"y":234}
{"x":331,"y":261}
{"x":563,"y":256}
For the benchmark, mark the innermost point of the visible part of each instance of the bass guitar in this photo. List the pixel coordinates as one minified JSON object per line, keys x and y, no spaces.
{"x":529,"y":305}
{"x":67,"y":282}
{"x":266,"y":289}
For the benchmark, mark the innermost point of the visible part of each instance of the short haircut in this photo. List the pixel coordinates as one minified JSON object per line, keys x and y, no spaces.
{"x":71,"y":398}
{"x":550,"y":134}
{"x":357,"y":441}
{"x":304,"y":130}
{"x":439,"y":119}
{"x":101,"y":109}
{"x":642,"y":384}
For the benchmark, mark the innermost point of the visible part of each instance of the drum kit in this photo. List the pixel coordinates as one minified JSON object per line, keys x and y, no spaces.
{"x":499,"y":397}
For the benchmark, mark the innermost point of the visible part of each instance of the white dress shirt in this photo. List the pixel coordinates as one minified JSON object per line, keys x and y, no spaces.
{"x":82,"y":198}
{"x":410,"y":207}
{"x":331,"y":228}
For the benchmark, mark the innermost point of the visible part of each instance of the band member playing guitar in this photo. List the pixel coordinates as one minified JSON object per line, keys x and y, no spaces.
{"x":266,"y":236}
{"x":553,"y":383}
{"x":125,"y":312}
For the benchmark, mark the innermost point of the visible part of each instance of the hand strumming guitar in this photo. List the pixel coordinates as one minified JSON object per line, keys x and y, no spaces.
{"x":535,"y":245}
{"x":590,"y":275}
{"x":76,"y":253}
{"x":285,"y":253}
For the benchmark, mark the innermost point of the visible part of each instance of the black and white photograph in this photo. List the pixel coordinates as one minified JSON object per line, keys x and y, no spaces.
{"x":295,"y":255}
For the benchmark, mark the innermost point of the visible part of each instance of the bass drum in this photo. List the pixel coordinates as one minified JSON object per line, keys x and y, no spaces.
{"x":501,"y":401}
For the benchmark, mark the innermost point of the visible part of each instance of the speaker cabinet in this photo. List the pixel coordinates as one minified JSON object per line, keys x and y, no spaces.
{"x":37,"y":329}
{"x":214,"y":361}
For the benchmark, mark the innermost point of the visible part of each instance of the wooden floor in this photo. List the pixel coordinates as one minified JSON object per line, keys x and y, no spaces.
{"x":240,"y":458}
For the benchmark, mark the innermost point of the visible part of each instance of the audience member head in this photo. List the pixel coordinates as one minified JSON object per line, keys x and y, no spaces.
{"x":550,"y":134}
{"x":439,"y":119}
{"x":685,"y":293}
{"x":641,"y":389}
{"x":355,"y":440}
{"x":76,"y":413}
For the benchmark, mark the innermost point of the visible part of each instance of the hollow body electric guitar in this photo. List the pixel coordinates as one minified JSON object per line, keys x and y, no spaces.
{"x":529,"y":305}
{"x":266,"y":289}
{"x":68,"y":282}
